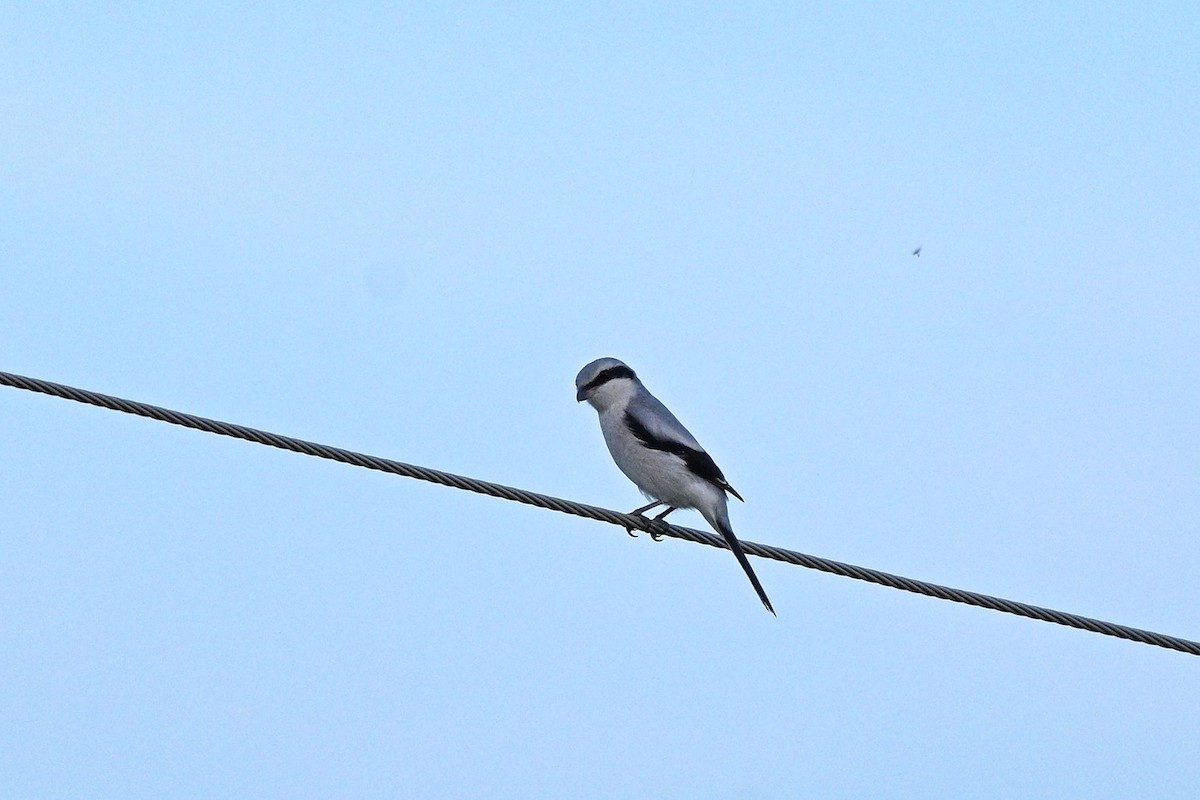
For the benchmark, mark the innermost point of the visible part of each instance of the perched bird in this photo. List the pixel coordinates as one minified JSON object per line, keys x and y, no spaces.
{"x":657,"y":453}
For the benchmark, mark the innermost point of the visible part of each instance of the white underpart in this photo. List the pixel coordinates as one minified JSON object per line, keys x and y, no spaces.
{"x":659,"y":475}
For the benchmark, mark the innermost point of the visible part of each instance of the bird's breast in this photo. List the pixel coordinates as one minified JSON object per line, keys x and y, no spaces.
{"x":659,"y":474}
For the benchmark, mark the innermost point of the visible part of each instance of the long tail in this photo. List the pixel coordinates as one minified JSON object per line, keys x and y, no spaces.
{"x":721,"y":523}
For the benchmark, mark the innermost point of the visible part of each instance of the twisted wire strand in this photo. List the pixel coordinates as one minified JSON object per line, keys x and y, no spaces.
{"x":628,"y":521}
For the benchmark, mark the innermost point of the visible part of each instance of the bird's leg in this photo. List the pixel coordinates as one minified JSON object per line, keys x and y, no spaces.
{"x":658,"y":536}
{"x":637,"y":512}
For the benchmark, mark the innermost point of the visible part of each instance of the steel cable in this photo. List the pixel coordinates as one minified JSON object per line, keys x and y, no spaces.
{"x":602,"y":514}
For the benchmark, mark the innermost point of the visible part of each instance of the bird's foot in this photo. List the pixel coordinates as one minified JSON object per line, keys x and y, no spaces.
{"x":653,"y":526}
{"x":657,"y":522}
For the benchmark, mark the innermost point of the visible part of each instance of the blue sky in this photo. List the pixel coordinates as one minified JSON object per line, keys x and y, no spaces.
{"x":402,"y":230}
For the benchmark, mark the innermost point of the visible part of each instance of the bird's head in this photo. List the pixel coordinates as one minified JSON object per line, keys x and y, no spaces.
{"x":604,"y":382}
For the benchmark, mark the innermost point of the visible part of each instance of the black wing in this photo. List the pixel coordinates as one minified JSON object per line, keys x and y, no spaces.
{"x":699,"y":462}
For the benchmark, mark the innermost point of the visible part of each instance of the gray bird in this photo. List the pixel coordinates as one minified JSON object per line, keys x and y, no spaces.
{"x":657,"y":453}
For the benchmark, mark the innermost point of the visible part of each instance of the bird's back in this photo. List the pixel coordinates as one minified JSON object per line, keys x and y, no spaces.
{"x":658,"y":420}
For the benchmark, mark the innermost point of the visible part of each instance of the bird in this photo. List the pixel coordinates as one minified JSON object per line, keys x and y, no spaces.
{"x":658,"y":454}
{"x":917,"y":252}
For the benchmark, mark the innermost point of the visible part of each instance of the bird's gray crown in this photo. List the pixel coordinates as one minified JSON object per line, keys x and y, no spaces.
{"x":600,"y":372}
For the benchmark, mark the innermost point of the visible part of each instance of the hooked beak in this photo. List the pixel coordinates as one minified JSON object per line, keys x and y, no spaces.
{"x":580,"y":395}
